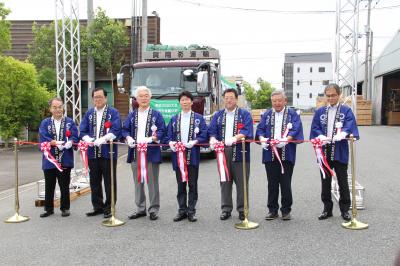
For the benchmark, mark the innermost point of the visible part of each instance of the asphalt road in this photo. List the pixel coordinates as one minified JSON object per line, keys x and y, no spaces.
{"x":302,"y":241}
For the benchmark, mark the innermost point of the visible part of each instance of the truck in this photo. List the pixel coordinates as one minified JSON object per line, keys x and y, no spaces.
{"x":169,"y":72}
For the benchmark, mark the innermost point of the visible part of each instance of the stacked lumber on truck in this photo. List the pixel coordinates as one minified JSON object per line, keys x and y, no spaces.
{"x":256,"y":114}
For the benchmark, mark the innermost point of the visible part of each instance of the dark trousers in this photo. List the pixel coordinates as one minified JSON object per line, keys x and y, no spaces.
{"x":186,"y":206}
{"x":341,"y":175}
{"x":50,"y":179}
{"x":236,"y":174}
{"x":275,"y":180}
{"x":99,"y":169}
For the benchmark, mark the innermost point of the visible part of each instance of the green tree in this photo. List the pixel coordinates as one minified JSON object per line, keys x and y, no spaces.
{"x":261,"y":98}
{"x":42,"y":51}
{"x":23,"y":101}
{"x":5,"y":39}
{"x":107,"y":43}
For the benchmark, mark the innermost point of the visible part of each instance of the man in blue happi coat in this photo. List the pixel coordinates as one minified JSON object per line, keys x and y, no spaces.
{"x":101,"y":124}
{"x":60,"y":131}
{"x":283,"y":124}
{"x":231,"y":125}
{"x":190,"y":129}
{"x":145,"y":125}
{"x":332,"y":124}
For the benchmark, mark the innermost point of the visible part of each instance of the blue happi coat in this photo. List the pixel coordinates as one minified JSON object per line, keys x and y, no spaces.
{"x":47,"y":133}
{"x":217,"y":127}
{"x":173,"y":134}
{"x":129,"y":128}
{"x":266,"y":129}
{"x":319,"y":126}
{"x":88,"y":127}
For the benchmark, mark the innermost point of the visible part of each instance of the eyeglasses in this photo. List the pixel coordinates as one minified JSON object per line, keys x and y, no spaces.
{"x":331,"y":95}
{"x":98,"y":97}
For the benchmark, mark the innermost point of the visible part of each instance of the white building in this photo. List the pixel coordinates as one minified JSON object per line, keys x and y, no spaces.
{"x":305,"y":76}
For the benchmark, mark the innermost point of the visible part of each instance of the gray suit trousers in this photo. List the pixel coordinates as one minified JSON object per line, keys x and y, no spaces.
{"x":236,"y":174}
{"x":152,"y":185}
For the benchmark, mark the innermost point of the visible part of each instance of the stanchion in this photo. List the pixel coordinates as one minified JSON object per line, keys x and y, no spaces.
{"x":112,"y":222}
{"x":16,"y":218}
{"x":245,"y":224}
{"x":353,"y":224}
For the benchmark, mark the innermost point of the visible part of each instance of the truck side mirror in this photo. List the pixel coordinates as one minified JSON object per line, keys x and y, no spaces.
{"x":188,"y":72}
{"x":120,"y":80}
{"x":202,"y":82}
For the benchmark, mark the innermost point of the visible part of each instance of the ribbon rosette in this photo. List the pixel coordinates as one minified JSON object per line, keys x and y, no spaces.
{"x":273,"y":143}
{"x":107,"y":125}
{"x":321,"y":159}
{"x":45,"y":147}
{"x":68,"y":133}
{"x":83,"y":147}
{"x":240,"y":126}
{"x":154,"y":130}
{"x":142,"y":174}
{"x":286,"y":132}
{"x":181,"y":158}
{"x":221,"y":162}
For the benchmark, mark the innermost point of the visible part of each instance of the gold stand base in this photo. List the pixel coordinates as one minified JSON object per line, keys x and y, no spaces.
{"x":112,"y":222}
{"x":246,"y":225}
{"x":16,"y":218}
{"x":355,"y":225}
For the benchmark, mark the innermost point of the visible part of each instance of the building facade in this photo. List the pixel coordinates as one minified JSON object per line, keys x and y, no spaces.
{"x":305,"y":76}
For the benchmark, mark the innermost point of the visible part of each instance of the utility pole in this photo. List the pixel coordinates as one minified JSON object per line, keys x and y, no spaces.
{"x":367,"y":82}
{"x":90,"y":59}
{"x":144,"y":27}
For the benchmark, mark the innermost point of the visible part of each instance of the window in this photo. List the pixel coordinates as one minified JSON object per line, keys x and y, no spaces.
{"x":325,"y":82}
{"x":298,"y":82}
{"x":321,"y":69}
{"x":310,"y":82}
{"x":298,"y":95}
{"x":310,"y":95}
{"x":298,"y":70}
{"x":321,"y":95}
{"x":310,"y":69}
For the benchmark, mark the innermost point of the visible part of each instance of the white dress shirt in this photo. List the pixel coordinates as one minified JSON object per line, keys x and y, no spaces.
{"x":278,"y":123}
{"x":331,"y":119}
{"x":229,"y":123}
{"x":185,"y":126}
{"x":57,"y":124}
{"x":99,"y":116}
{"x":142,"y":121}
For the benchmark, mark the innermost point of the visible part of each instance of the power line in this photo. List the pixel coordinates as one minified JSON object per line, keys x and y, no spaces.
{"x":288,"y":12}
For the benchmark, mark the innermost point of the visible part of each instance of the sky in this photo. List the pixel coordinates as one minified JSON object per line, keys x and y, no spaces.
{"x":252,"y":36}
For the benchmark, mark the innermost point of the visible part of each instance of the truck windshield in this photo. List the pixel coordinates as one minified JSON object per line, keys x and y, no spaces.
{"x":163,"y":81}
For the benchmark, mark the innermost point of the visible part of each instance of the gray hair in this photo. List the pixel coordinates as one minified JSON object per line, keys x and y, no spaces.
{"x":58,"y":99}
{"x":279,"y":92}
{"x":142,"y":88}
{"x":333,"y":86}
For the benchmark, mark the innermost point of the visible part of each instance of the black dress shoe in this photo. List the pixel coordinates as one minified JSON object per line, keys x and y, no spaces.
{"x":94,"y":213}
{"x":180,"y":216}
{"x":286,"y":216}
{"x":137,"y":215}
{"x":346,"y":216}
{"x":153,"y":216}
{"x":225,"y":216}
{"x":107,"y":214}
{"x":241,"y":216}
{"x":46,"y":214}
{"x":65,"y":213}
{"x":271,"y":216}
{"x":324,"y":215}
{"x":192,"y":218}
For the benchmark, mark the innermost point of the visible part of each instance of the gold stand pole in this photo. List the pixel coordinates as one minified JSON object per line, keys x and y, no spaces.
{"x":245,"y":224}
{"x":112,"y":222}
{"x":16,"y":218}
{"x":353,"y":224}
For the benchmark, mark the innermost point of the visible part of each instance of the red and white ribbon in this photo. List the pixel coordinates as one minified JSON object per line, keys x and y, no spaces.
{"x":219,"y":148}
{"x":286,"y":132}
{"x":321,"y":159}
{"x":83,"y":147}
{"x":273,"y":143}
{"x":181,"y":158}
{"x":45,"y":147}
{"x":338,"y":126}
{"x":142,"y":174}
